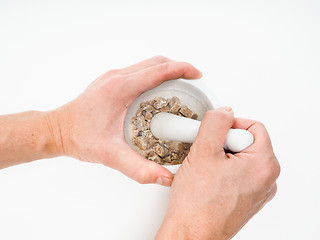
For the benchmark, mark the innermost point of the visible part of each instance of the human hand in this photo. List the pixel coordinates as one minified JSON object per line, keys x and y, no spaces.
{"x":90,"y":128}
{"x":215,"y":193}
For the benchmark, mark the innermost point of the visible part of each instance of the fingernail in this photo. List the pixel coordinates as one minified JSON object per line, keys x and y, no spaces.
{"x":226,"y":108}
{"x":200,"y":75}
{"x":164,"y":181}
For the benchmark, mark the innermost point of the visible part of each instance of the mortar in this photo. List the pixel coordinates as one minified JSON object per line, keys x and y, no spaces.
{"x":189,"y":96}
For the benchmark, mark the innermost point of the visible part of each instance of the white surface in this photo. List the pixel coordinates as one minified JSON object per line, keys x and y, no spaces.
{"x":260,"y":57}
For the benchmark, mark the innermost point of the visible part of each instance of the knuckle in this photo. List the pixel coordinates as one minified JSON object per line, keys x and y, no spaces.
{"x":209,"y":114}
{"x":185,"y":64}
{"x":276,"y":169}
{"x":168,"y":69}
{"x":112,"y":72}
{"x":163,"y":68}
{"x":141,"y":180}
{"x":220,"y":115}
{"x":140,"y":176}
{"x":160,"y":59}
{"x":269,"y":173}
{"x":217,"y":116}
{"x":114,"y":84}
{"x":272,"y":167}
{"x":266,"y":174}
{"x":260,"y":125}
{"x":116,"y":80}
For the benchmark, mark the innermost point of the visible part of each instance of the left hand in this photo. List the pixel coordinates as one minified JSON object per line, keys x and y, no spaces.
{"x":90,"y":128}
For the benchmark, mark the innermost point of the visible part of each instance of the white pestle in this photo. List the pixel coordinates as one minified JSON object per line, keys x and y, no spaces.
{"x":167,"y":126}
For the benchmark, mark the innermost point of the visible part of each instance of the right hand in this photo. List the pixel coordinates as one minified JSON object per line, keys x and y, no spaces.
{"x":215,"y":193}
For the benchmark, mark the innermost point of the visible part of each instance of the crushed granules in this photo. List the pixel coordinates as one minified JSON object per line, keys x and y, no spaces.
{"x":152,"y":148}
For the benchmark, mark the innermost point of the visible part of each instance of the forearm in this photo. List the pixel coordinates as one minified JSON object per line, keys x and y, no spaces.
{"x":26,"y":137}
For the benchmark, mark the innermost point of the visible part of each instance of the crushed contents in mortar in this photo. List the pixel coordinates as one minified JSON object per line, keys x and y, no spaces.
{"x":152,"y":148}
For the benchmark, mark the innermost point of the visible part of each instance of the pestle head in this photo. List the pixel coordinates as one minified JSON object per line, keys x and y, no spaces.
{"x":167,"y":126}
{"x":238,"y":140}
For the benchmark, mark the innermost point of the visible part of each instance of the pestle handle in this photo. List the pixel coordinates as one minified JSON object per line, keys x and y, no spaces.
{"x":172,"y":127}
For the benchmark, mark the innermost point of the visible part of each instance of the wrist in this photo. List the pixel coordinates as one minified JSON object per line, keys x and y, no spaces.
{"x":171,"y":229}
{"x":25,"y":138}
{"x":58,"y":128}
{"x":193,"y":228}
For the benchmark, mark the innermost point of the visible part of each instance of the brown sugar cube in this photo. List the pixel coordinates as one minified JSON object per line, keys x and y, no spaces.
{"x":164,"y":109}
{"x":147,"y":124}
{"x":155,"y":111}
{"x":187,"y":151}
{"x":151,"y":102}
{"x":175,"y":146}
{"x":183,"y":154}
{"x":160,"y":150}
{"x":184,"y":146}
{"x":187,"y":112}
{"x":174,"y":105}
{"x":194,"y":116}
{"x":166,"y":160}
{"x":146,"y":133}
{"x":154,"y":157}
{"x":139,"y":112}
{"x":174,"y":156}
{"x":148,"y":116}
{"x":133,"y":121}
{"x":150,"y":142}
{"x":139,"y":123}
{"x":147,"y":108}
{"x":138,"y":119}
{"x":135,"y":132}
{"x":176,"y":162}
{"x":142,"y":126}
{"x":143,"y":104}
{"x":163,"y":142}
{"x":141,"y":142}
{"x":167,"y":144}
{"x":159,"y":102}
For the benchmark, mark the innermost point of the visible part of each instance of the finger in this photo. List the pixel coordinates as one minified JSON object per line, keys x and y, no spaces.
{"x":151,"y":77}
{"x":213,"y":130}
{"x":139,"y":66}
{"x":141,"y":169}
{"x":258,"y":130}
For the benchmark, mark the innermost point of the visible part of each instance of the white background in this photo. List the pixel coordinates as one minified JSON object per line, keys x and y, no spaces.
{"x":260,"y":57}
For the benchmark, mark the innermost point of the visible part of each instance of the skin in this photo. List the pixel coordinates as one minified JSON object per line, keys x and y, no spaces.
{"x":90,"y":128}
{"x":224,"y":190}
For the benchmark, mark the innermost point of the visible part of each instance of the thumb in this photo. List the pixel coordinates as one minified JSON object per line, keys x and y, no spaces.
{"x":213,"y":130}
{"x":141,"y":169}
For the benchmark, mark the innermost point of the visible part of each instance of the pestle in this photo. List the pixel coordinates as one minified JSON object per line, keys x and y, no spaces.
{"x":167,"y":126}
